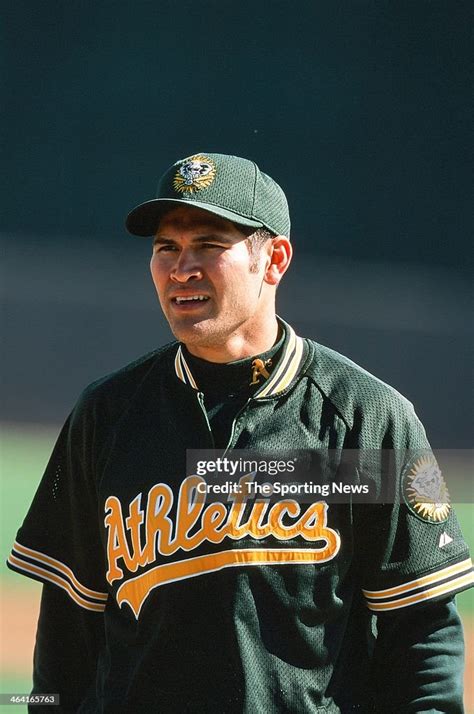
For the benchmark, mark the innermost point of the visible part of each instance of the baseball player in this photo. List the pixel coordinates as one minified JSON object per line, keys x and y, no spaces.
{"x":156,"y":599}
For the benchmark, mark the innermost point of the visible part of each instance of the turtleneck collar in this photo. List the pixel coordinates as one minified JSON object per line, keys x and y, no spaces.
{"x":286,"y":361}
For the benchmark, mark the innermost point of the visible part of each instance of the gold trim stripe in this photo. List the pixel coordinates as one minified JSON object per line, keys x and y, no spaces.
{"x":287,"y":367}
{"x":57,"y":580}
{"x":449,"y":587}
{"x":57,"y":565}
{"x":420,"y":582}
{"x":282,"y":366}
{"x":135,"y":590}
{"x":177,"y":366}
{"x":293,"y":368}
{"x":182,"y":369}
{"x":188,"y":372}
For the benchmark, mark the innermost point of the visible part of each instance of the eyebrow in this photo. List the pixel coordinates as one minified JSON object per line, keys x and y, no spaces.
{"x":197,"y":239}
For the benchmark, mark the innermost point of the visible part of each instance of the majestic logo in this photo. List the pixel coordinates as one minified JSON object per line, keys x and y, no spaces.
{"x":425,"y":490}
{"x":196,"y":173}
{"x":154,"y":536}
{"x":444,"y":540}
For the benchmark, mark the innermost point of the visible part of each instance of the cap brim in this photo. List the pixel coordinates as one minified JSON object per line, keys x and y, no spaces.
{"x":143,"y":220}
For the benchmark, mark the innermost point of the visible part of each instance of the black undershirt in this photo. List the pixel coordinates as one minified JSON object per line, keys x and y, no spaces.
{"x":227,"y":387}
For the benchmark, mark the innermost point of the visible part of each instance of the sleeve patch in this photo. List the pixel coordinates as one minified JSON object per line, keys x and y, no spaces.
{"x":446,"y":581}
{"x":424,"y":490}
{"x":42,"y":567}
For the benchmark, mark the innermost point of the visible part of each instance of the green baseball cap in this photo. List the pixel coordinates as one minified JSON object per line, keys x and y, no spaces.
{"x":227,"y":186}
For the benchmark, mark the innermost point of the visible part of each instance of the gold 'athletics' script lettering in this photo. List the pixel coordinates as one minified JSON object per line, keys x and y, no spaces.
{"x":196,"y":523}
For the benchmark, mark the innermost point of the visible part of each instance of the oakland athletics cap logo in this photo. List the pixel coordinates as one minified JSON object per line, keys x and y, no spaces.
{"x":194,"y":174}
{"x":425,"y":490}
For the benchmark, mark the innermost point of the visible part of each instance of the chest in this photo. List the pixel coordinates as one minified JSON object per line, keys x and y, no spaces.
{"x":158,"y":528}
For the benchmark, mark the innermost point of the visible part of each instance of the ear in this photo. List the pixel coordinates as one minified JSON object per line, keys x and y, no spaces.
{"x":279,"y":257}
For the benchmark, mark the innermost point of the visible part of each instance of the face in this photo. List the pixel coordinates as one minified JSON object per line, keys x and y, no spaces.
{"x":201,"y":268}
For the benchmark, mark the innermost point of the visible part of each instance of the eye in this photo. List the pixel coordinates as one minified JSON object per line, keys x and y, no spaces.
{"x":211,"y":245}
{"x":164,"y":247}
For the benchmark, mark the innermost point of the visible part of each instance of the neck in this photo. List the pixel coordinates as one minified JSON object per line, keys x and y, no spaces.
{"x":238,"y":346}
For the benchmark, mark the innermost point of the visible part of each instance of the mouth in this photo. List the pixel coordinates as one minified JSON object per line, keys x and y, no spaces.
{"x":189,"y":300}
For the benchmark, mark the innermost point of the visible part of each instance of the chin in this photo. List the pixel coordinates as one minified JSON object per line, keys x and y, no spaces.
{"x":200,"y":334}
{"x":191,"y":333}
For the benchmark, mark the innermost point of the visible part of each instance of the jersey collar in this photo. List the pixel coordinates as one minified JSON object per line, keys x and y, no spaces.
{"x":282,"y":376}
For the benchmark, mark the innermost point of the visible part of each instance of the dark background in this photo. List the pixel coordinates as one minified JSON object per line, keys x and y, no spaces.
{"x":360,"y":110}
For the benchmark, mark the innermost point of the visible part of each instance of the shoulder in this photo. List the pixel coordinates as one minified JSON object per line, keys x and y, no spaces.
{"x":355,"y":393}
{"x":114,"y":391}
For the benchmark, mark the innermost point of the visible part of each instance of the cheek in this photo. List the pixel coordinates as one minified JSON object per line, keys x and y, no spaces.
{"x":233,"y":271}
{"x":241,"y":287}
{"x":155,"y":270}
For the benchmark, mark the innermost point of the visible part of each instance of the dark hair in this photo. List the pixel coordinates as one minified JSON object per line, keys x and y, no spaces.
{"x":256,"y":239}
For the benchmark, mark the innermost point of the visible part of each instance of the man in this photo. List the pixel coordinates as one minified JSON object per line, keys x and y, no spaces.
{"x":155,"y":599}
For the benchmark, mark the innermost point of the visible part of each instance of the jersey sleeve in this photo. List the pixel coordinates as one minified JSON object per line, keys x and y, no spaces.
{"x":418,"y":660}
{"x":59,"y":541}
{"x":410,"y":547}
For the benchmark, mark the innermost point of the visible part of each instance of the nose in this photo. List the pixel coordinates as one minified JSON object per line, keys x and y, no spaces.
{"x":186,"y":268}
